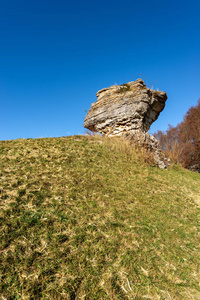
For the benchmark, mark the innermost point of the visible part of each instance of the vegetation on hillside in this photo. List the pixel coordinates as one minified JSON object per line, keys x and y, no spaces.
{"x":90,"y":218}
{"x":182,"y":143}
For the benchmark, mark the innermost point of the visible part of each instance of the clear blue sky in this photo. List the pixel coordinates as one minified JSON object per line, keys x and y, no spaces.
{"x":56,"y":54}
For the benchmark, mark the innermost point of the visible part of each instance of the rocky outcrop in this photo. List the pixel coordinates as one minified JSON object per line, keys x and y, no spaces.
{"x":125,"y":108}
{"x":150,"y":143}
{"x":128,"y":109}
{"x":195,"y":168}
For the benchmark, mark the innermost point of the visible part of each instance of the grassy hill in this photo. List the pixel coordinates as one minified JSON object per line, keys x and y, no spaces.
{"x":90,"y":218}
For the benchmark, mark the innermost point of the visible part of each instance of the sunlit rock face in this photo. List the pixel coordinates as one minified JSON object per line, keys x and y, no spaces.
{"x":120,"y":110}
{"x":128,"y":110}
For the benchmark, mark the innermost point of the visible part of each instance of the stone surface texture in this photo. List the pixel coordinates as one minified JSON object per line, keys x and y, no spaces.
{"x":195,"y":168}
{"x":128,"y":110}
{"x":125,"y":108}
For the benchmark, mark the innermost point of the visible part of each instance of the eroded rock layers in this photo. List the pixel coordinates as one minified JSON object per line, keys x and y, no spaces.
{"x":128,"y":110}
{"x":120,"y":110}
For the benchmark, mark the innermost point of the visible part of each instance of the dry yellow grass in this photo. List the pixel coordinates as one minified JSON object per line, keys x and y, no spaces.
{"x":89,"y":218}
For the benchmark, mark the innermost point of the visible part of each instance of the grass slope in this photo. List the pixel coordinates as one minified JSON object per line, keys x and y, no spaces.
{"x":87,"y":218}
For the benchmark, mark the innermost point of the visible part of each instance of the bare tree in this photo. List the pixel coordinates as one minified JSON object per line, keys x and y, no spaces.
{"x":182,"y":143}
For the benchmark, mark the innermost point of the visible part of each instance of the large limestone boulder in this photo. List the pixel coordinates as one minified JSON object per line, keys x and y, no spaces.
{"x":128,"y":110}
{"x":120,"y":110}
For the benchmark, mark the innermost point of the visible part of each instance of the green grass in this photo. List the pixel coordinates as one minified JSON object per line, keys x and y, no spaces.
{"x":124,"y":88}
{"x":89,"y":218}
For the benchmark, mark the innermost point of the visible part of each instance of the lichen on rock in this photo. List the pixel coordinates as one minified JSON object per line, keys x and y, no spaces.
{"x":127,"y":110}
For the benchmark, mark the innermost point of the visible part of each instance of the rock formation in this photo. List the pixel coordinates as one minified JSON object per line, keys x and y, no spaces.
{"x":195,"y":168}
{"x":128,"y":109}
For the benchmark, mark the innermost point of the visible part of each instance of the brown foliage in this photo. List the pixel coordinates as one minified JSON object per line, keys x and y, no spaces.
{"x":182,"y":143}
